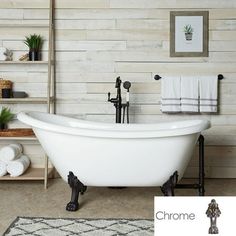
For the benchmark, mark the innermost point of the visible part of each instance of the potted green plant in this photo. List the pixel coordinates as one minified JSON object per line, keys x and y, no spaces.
{"x":34,"y":42}
{"x":5,"y":117}
{"x":188,"y":30}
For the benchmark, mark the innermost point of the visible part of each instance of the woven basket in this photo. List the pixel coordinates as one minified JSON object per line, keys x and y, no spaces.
{"x":5,"y":84}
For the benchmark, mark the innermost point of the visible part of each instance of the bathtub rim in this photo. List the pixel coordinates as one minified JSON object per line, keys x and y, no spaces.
{"x":109,"y":130}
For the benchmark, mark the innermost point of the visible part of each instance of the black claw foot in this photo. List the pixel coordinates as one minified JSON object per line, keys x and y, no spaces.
{"x":72,"y":206}
{"x":76,"y":187}
{"x":83,"y":190}
{"x":168,"y":187}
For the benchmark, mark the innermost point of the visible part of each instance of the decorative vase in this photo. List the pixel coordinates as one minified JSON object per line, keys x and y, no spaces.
{"x":34,"y":55}
{"x":188,"y":36}
{"x":3,"y":126}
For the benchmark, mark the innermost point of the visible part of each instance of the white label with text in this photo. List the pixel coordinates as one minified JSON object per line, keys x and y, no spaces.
{"x":195,"y":216}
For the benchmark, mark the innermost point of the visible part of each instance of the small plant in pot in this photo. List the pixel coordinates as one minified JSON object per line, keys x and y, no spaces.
{"x":5,"y":117}
{"x":188,"y":30}
{"x":34,"y":42}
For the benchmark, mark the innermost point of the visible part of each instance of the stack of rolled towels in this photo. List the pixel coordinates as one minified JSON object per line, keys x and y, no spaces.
{"x":13,"y":161}
{"x":5,"y":54}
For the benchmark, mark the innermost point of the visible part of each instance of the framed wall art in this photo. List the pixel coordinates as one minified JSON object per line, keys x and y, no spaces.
{"x":189,"y":33}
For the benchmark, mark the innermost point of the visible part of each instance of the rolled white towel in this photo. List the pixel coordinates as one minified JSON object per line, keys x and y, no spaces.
{"x":10,"y":152}
{"x":19,"y":166}
{"x":3,"y":168}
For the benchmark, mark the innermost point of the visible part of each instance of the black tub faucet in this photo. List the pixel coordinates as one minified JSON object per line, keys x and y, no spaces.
{"x":118,"y":100}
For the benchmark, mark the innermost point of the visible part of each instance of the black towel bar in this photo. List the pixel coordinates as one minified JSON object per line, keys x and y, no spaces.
{"x":158,"y":77}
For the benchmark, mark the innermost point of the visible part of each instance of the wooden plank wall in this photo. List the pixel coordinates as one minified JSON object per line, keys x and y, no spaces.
{"x":98,"y":40}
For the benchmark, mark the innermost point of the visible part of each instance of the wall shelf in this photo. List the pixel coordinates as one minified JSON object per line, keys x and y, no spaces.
{"x":23,"y":138}
{"x":24,"y":62}
{"x":30,"y":174}
{"x":49,"y":99}
{"x":35,"y":100}
{"x":24,"y":26}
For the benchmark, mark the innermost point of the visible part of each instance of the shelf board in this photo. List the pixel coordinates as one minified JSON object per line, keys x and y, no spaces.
{"x":30,"y":174}
{"x":24,"y":62}
{"x":22,"y":25}
{"x":22,"y":138}
{"x":25,"y":100}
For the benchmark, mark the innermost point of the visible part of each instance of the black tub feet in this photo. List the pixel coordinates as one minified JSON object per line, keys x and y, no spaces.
{"x":168,"y":187}
{"x":76,"y":187}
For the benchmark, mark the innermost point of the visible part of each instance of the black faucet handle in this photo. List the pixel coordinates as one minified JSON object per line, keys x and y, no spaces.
{"x":109,"y":97}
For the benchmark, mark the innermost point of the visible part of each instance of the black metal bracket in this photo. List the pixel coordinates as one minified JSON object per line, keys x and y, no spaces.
{"x":76,"y":187}
{"x":220,"y":77}
{"x":201,"y":174}
{"x":158,"y":77}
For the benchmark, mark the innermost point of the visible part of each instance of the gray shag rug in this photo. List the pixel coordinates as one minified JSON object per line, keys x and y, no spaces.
{"x":85,"y":227}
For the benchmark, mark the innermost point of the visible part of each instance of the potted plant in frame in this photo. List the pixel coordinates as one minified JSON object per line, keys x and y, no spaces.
{"x":188,"y":30}
{"x":34,"y":42}
{"x":5,"y":117}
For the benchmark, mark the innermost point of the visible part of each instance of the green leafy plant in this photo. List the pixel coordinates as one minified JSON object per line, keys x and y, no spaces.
{"x":5,"y":116}
{"x":188,"y":29}
{"x":34,"y":42}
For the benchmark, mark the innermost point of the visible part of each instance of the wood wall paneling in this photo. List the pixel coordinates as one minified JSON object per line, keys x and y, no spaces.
{"x":98,"y":40}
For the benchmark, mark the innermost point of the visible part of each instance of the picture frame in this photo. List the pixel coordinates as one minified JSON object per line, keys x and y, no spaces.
{"x":189,"y":33}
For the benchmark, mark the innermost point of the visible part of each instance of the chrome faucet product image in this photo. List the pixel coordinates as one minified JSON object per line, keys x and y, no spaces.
{"x":213,"y":212}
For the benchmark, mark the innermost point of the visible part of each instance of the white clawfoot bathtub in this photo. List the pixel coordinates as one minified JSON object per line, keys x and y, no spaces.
{"x":102,"y":154}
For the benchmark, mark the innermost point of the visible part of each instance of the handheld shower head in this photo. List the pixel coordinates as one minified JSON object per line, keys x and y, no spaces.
{"x":127,"y":85}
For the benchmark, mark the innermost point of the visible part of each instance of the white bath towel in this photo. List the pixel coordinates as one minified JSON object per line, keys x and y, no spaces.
{"x":208,"y":86}
{"x":3,"y":168}
{"x":10,"y":152}
{"x":19,"y":166}
{"x":189,"y":94}
{"x":170,"y":94}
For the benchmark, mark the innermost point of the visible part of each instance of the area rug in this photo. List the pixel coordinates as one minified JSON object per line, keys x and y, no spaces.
{"x":84,"y":227}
